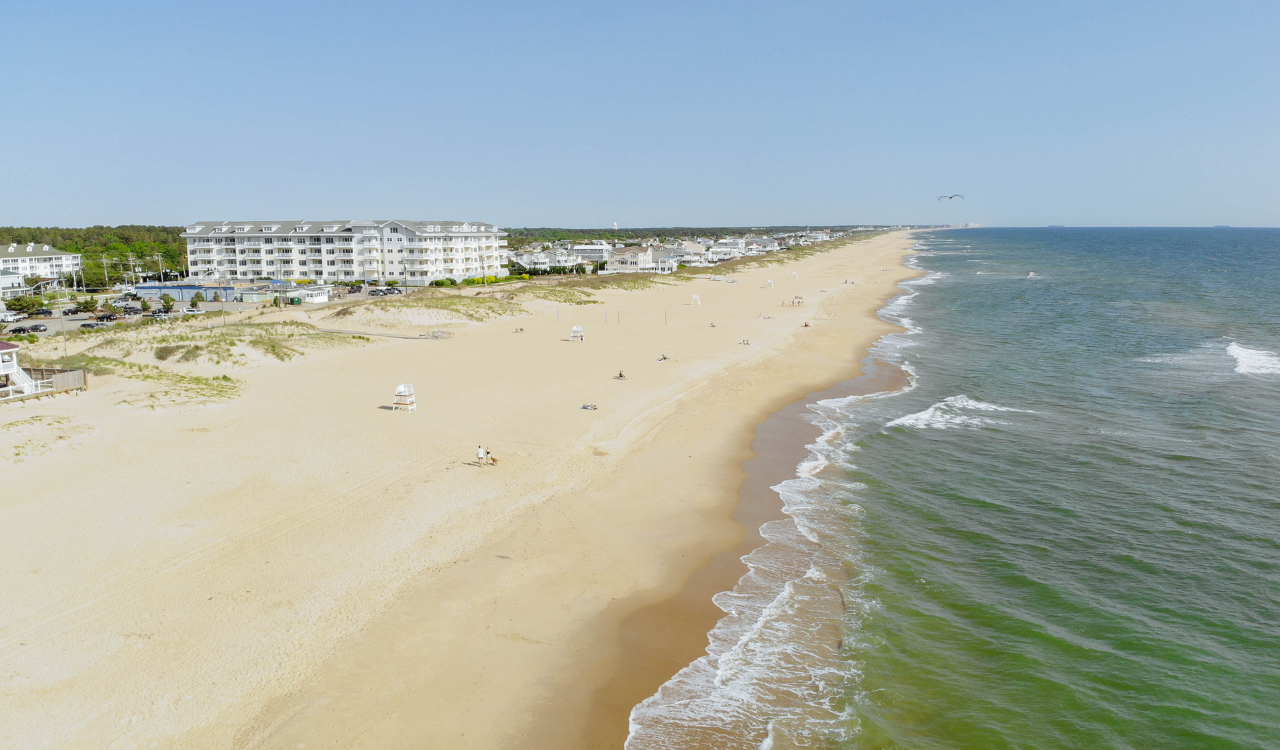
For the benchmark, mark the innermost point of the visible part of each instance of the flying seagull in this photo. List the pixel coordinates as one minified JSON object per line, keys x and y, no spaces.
{"x":951,"y":197}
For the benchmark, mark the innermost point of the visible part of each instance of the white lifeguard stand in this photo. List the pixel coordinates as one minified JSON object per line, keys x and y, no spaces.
{"x":404,"y":398}
{"x":795,"y":275}
{"x":577,"y":335}
{"x":770,"y":284}
{"x":697,"y":300}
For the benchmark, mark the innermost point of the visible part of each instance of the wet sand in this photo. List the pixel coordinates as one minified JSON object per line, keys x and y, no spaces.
{"x":656,"y":641}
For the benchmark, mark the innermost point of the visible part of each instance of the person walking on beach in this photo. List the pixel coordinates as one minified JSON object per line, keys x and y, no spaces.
{"x":481,"y":455}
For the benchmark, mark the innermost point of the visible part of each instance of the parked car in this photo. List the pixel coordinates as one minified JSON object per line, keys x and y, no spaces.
{"x":44,"y":312}
{"x":193,"y":311}
{"x":91,"y":325}
{"x":356,"y":289}
{"x":17,"y":330}
{"x":131,"y":310}
{"x":69,"y":311}
{"x":38,"y":328}
{"x":159,"y":315}
{"x":108,"y":317}
{"x":11,"y":317}
{"x":377,"y":293}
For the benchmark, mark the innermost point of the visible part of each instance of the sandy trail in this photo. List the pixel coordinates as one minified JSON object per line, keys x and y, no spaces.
{"x":302,"y":567}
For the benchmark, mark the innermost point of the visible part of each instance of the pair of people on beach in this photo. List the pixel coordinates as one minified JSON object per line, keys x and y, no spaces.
{"x":484,"y":456}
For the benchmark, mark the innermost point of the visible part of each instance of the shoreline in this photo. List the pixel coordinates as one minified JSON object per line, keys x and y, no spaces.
{"x":358,"y":580}
{"x":779,"y":445}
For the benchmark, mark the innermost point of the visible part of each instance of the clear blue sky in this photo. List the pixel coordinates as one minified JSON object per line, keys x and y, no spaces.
{"x":642,"y":113}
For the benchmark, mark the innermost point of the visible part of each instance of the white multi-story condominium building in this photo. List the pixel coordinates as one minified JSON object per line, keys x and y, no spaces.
{"x":38,"y":260}
{"x":413,"y":253}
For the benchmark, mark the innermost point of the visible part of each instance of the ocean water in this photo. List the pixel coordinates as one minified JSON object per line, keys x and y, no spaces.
{"x":1064,"y":534}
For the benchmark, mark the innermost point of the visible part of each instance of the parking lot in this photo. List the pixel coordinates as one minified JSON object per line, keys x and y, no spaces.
{"x":57,"y":322}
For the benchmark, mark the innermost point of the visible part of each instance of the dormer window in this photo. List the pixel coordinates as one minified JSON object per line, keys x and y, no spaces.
{"x":270,"y":227}
{"x":193,"y":230}
{"x":243,"y":228}
{"x":222,"y":230}
{"x":331,"y":227}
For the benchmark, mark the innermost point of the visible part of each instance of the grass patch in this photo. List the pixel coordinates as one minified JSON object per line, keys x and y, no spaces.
{"x":565,"y":295}
{"x":165,"y":352}
{"x":472,"y":308}
{"x":274,"y":347}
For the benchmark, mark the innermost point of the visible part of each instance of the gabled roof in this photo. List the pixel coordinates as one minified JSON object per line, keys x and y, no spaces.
{"x":7,"y":346}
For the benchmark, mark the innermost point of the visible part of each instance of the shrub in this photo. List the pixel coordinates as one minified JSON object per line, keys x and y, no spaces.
{"x":443,"y":282}
{"x":25,"y":305}
{"x":165,"y":352}
{"x":393,"y":282}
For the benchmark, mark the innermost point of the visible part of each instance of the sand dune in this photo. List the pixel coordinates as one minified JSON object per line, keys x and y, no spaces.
{"x":299,"y":566}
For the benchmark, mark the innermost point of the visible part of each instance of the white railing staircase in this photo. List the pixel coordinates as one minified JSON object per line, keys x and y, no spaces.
{"x":21,"y":379}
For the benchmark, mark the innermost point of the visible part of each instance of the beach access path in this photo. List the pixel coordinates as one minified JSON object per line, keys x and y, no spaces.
{"x":304,"y":567}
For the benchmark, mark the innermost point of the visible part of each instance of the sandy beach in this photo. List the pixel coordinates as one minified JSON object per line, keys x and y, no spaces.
{"x":300,"y":566}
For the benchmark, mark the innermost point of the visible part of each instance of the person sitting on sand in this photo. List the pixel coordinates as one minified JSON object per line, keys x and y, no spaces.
{"x":621,"y":375}
{"x":713,"y":325}
{"x":663,"y":358}
{"x":806,"y":324}
{"x":589,"y":407}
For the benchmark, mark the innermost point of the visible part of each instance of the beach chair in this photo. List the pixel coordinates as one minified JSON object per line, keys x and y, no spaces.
{"x":404,"y":400}
{"x":577,"y":335}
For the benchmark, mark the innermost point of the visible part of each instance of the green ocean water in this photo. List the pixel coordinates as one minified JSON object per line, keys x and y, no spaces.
{"x":1065,"y":535}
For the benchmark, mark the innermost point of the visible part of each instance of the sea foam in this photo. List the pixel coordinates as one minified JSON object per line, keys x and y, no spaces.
{"x":1254,"y":361}
{"x":954,"y":412}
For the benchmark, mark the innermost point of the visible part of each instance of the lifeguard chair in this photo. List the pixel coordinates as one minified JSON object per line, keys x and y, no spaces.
{"x":577,"y":335}
{"x":404,"y":398}
{"x":697,"y":300}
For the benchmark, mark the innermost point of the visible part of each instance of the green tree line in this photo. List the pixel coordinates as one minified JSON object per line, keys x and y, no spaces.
{"x":110,"y":254}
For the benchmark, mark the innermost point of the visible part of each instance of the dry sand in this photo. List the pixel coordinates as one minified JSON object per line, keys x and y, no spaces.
{"x":300,"y":567}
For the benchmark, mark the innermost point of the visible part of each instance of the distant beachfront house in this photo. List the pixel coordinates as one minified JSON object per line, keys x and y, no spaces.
{"x":761,"y":245}
{"x":727,"y":249}
{"x":38,"y":260}
{"x":596,"y":251}
{"x":670,"y":263}
{"x":12,"y":285}
{"x":414,"y":253}
{"x":632,"y":259}
{"x":548,"y":259}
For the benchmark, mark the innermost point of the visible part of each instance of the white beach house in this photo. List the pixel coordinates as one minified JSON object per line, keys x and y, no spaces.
{"x":12,"y":285}
{"x":632,"y":259}
{"x":414,"y":253}
{"x":38,"y":260}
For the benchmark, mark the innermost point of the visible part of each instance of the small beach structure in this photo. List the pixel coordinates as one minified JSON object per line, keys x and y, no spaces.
{"x":404,"y":400}
{"x":697,"y":300}
{"x":577,"y":335}
{"x":770,"y":284}
{"x":17,"y":383}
